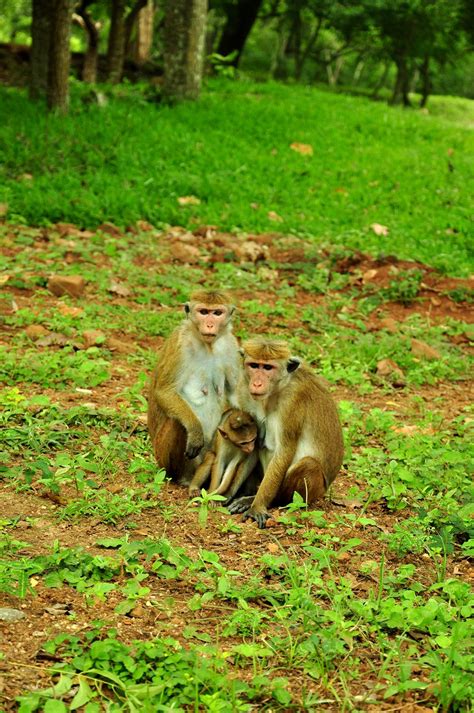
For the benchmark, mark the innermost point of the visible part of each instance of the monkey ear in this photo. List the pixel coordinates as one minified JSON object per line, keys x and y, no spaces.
{"x":223,"y":433}
{"x":292,"y":364}
{"x":241,"y":352}
{"x":187,"y":308}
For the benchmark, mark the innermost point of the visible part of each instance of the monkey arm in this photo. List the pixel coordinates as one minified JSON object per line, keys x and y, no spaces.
{"x":174,"y":406}
{"x":201,"y":474}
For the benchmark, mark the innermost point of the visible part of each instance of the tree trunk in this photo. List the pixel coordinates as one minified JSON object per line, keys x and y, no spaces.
{"x":141,"y":16}
{"x":402,"y":83}
{"x":59,"y":56}
{"x":91,"y":56}
{"x":116,"y":46}
{"x":426,"y":85}
{"x":240,"y":20}
{"x":40,"y":29}
{"x":184,"y":37}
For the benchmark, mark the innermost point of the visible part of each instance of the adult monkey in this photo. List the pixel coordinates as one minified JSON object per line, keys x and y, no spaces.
{"x":197,"y":369}
{"x":303,"y":446}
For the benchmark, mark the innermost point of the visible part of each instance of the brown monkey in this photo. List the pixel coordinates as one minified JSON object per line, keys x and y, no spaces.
{"x":232,"y":458}
{"x":303,"y":447}
{"x":198,"y":367}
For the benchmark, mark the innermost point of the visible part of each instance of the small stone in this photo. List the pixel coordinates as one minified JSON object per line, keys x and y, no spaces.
{"x":92,"y":337}
{"x":389,"y":370}
{"x":11,"y":615}
{"x":73,"y":285}
{"x":421,"y":349}
{"x":36,"y":331}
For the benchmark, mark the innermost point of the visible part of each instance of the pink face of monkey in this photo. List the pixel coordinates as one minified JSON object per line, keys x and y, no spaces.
{"x":262,"y":377}
{"x":210,"y":320}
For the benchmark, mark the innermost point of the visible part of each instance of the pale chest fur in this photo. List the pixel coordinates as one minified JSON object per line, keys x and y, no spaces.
{"x":204,"y":379}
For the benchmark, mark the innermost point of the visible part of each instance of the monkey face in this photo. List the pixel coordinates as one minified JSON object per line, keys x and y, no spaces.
{"x":262,"y":377}
{"x":210,"y":320}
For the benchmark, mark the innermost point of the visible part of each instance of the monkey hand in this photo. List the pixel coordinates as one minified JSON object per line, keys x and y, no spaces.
{"x":240,"y":505}
{"x":194,"y":443}
{"x":260,"y":515}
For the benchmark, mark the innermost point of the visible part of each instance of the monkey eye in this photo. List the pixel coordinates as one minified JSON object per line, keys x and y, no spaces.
{"x":203,"y":311}
{"x":268,"y":367}
{"x":253,"y":365}
{"x":218,"y":312}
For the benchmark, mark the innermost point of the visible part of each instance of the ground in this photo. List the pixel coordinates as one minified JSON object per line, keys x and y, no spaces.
{"x":323,"y":302}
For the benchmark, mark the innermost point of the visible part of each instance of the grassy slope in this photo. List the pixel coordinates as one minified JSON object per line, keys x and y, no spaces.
{"x":132,"y":159}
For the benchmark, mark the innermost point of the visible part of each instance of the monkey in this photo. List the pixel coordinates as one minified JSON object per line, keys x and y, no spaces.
{"x":303,"y":446}
{"x":232,"y":458}
{"x":198,"y":367}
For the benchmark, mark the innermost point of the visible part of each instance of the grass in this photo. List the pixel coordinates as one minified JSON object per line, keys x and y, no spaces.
{"x":133,"y":159}
{"x":363,"y":604}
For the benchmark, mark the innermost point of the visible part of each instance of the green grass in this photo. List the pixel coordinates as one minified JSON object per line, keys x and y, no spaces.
{"x":132,"y":160}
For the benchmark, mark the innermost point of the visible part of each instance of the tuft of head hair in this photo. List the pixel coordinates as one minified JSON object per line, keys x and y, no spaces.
{"x":261,"y":349}
{"x":240,"y":419}
{"x":211,"y":297}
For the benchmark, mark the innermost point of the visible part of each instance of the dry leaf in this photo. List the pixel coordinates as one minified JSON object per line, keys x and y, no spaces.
{"x":273,"y":548}
{"x":92,"y":337}
{"x":4,"y":279}
{"x":369,"y":275}
{"x":390,"y":324}
{"x":347,"y":502}
{"x":69,"y":311}
{"x":250,"y":251}
{"x":379,"y":229}
{"x":304,"y":149}
{"x":189,"y":200}
{"x":274,"y":216}
{"x":185,"y":253}
{"x":36,"y":331}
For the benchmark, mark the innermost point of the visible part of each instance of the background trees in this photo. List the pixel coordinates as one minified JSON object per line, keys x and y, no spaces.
{"x":392,"y":46}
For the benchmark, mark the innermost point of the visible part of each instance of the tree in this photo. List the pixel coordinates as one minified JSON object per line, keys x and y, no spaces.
{"x":91,"y":55}
{"x":121,"y":24}
{"x":59,"y":56}
{"x":184,"y":37}
{"x":240,"y":18}
{"x":40,"y":40}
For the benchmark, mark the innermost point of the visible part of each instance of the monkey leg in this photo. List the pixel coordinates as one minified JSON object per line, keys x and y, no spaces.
{"x":201,"y":474}
{"x":305,"y":477}
{"x":169,"y":445}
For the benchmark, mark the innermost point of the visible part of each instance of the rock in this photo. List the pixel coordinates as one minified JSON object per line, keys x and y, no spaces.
{"x":185,"y":253}
{"x":110,"y":229}
{"x":421,"y":349}
{"x":250,"y":251}
{"x":36,"y":331}
{"x":118,"y":345}
{"x":117,"y":288}
{"x":72,"y":285}
{"x":11,"y":615}
{"x":390,"y":371}
{"x":53,"y":339}
{"x":92,"y":337}
{"x":144,"y":226}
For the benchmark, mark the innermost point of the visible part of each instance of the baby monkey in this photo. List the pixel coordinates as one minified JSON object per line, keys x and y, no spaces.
{"x":232,"y":457}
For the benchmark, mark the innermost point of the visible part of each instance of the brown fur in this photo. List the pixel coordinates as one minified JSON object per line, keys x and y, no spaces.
{"x":189,"y":388}
{"x":236,"y":429}
{"x":303,"y":446}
